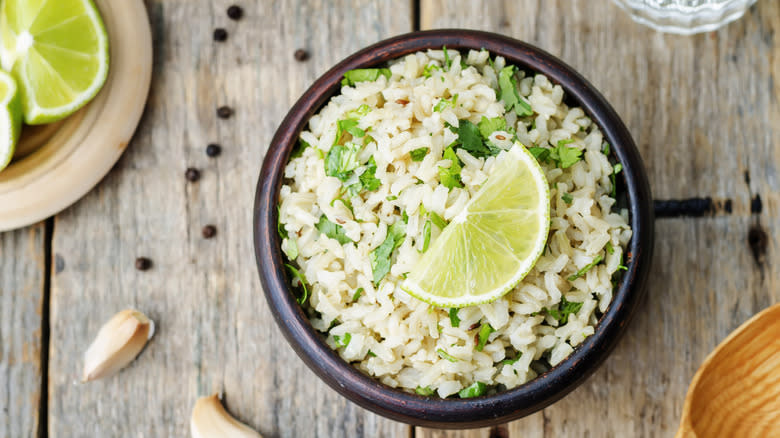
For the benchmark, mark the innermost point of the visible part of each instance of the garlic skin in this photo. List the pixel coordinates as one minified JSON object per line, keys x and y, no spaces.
{"x":117,"y":343}
{"x":211,"y":420}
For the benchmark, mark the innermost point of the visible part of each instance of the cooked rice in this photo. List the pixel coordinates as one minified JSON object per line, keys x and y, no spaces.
{"x":395,"y":337}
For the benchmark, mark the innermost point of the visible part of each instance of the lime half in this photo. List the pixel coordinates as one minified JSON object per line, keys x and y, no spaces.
{"x":493,"y":243}
{"x":10,"y":118}
{"x":58,"y":52}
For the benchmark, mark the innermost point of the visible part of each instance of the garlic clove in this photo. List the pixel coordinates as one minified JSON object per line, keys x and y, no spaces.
{"x":211,"y":420}
{"x":117,"y":343}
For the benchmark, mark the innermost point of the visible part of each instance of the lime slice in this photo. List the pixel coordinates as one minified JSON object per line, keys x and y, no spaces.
{"x":10,"y":118}
{"x":493,"y":243}
{"x":58,"y":52}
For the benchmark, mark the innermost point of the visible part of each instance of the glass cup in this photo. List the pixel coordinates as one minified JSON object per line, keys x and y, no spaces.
{"x":685,"y":17}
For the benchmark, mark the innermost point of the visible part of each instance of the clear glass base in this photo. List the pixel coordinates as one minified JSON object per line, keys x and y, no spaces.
{"x":685,"y":17}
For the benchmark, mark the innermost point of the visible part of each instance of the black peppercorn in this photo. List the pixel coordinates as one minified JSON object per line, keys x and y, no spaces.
{"x":209,"y":231}
{"x":213,"y":150}
{"x":142,"y":263}
{"x":235,"y":12}
{"x":301,"y":55}
{"x":192,"y":174}
{"x":224,"y":112}
{"x":220,"y":34}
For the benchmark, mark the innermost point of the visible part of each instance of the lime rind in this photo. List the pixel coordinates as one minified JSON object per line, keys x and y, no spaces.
{"x":10,"y":117}
{"x":38,"y":80}
{"x":494,"y":245}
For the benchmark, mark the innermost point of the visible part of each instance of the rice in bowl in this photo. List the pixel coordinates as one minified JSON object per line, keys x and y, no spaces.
{"x":392,"y":164}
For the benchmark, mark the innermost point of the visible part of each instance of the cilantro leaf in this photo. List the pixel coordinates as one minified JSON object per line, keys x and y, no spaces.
{"x":426,"y":236}
{"x":292,"y":249}
{"x":279,"y":226}
{"x":341,"y":161}
{"x":424,"y":391}
{"x":299,"y":148}
{"x":334,"y":231}
{"x":302,"y":279}
{"x":586,"y":268}
{"x":454,"y":320}
{"x":349,"y":126}
{"x":542,"y":155}
{"x":361,"y":111}
{"x":450,"y":177}
{"x":444,"y":103}
{"x":489,"y":126}
{"x":564,"y":309}
{"x":474,"y":390}
{"x":470,"y":139}
{"x":566,"y":156}
{"x":358,"y":292}
{"x":609,"y":248}
{"x":342,"y":341}
{"x":419,"y":154}
{"x":371,"y":353}
{"x":429,"y":69}
{"x":352,"y":77}
{"x":443,"y":354}
{"x":380,"y":257}
{"x":447,"y":60}
{"x":567,"y":198}
{"x":615,"y":170}
{"x":484,"y":333}
{"x":512,"y":361}
{"x":507,"y":85}
{"x":438,"y":220}
{"x":368,"y":178}
{"x":605,"y":148}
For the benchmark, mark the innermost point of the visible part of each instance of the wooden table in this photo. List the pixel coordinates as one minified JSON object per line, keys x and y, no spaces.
{"x":704,"y":110}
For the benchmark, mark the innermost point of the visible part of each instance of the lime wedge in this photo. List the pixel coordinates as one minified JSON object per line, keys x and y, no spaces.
{"x":493,"y":243}
{"x":10,"y":118}
{"x":58,"y":52}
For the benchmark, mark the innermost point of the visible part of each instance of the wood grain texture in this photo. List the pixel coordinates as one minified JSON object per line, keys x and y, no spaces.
{"x":214,"y":332}
{"x":704,"y":111}
{"x":22,"y":271}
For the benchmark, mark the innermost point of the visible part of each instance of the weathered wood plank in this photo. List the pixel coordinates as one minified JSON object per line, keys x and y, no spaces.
{"x":704,"y":111}
{"x":22,"y":272}
{"x":214,"y":331}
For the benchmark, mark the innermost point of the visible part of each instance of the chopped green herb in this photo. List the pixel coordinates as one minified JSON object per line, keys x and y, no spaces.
{"x":564,"y":155}
{"x":615,"y":170}
{"x":405,"y":217}
{"x":279,"y":226}
{"x":380,"y":257}
{"x":302,"y":280}
{"x":605,"y":148}
{"x":542,"y":155}
{"x":424,"y":391}
{"x":342,"y":341}
{"x":349,"y":126}
{"x":368,"y":179}
{"x":450,"y":177}
{"x":484,"y":333}
{"x":391,"y":198}
{"x":426,"y":236}
{"x":358,"y":292}
{"x":320,"y":153}
{"x":564,"y":309}
{"x":443,"y":354}
{"x":334,"y":231}
{"x":419,"y":154}
{"x":567,"y":198}
{"x":361,"y":111}
{"x":609,"y":248}
{"x":512,"y":361}
{"x":507,"y":85}
{"x":292,"y":249}
{"x":429,"y":69}
{"x":299,"y":148}
{"x":438,"y":220}
{"x":454,"y":320}
{"x":352,"y":77}
{"x":474,"y":390}
{"x":489,"y":126}
{"x":334,"y":323}
{"x":447,"y":60}
{"x":588,"y":267}
{"x":341,"y":161}
{"x":444,"y":103}
{"x":371,"y":353}
{"x":470,"y":139}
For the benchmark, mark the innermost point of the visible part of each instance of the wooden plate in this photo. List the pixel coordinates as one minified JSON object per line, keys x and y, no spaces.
{"x":58,"y":164}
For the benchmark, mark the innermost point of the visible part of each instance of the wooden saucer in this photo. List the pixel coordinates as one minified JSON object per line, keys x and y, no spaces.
{"x":58,"y":164}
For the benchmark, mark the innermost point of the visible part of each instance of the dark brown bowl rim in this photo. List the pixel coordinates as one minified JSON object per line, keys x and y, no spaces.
{"x":453,"y":413}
